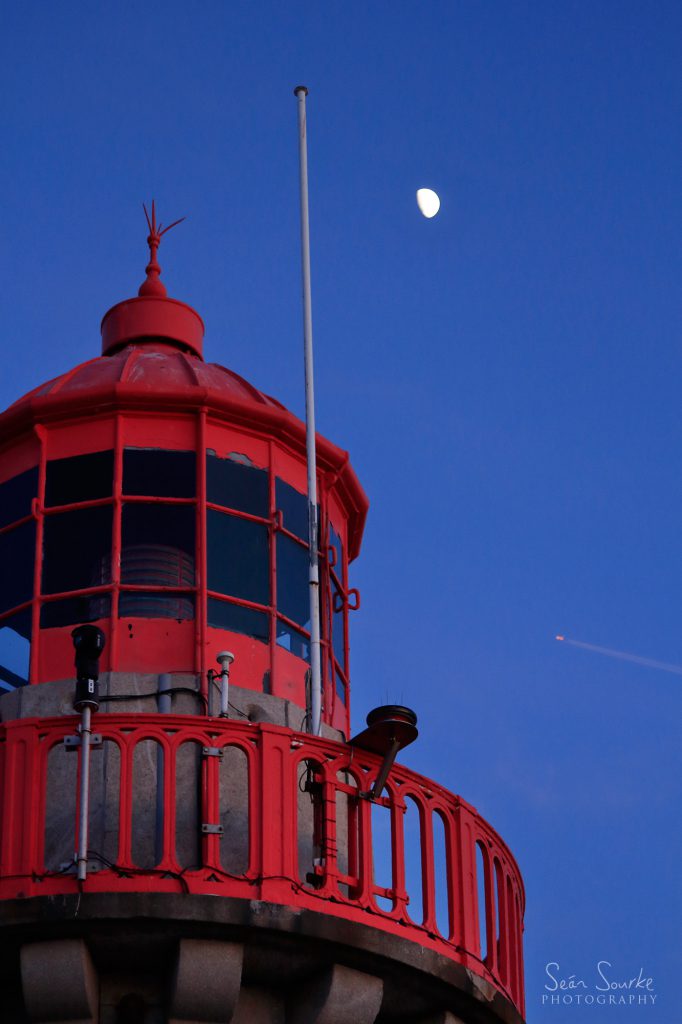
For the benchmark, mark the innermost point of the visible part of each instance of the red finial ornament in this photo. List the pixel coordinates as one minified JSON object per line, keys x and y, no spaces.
{"x":153,"y":285}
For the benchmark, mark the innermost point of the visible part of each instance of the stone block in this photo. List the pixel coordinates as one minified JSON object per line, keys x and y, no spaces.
{"x":257,"y":1006}
{"x":339,"y":995}
{"x":207,"y":982}
{"x":59,"y":982}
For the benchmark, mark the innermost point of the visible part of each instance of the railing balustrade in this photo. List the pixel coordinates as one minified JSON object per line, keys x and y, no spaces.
{"x":256,"y":811}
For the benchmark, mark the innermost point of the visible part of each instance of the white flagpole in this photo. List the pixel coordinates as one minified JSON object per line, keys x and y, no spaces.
{"x":315,"y":721}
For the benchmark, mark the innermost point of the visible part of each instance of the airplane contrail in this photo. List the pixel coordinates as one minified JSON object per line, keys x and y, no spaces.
{"x":662,"y":666}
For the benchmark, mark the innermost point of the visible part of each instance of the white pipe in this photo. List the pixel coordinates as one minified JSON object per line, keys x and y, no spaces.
{"x":82,"y":855}
{"x":225,"y":659}
{"x":315,"y":722}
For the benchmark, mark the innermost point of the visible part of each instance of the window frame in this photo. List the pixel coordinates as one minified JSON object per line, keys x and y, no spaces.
{"x":125,"y":431}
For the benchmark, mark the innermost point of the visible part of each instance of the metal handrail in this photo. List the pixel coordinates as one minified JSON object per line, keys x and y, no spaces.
{"x":287,"y":773}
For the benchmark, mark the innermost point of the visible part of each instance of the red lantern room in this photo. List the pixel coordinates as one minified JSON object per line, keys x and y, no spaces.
{"x":172,"y":850}
{"x":163,"y":499}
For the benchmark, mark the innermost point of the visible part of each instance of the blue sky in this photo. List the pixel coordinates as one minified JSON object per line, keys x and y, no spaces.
{"x":505,"y":376}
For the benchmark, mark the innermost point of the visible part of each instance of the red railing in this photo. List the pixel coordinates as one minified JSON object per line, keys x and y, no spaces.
{"x":257,"y":811}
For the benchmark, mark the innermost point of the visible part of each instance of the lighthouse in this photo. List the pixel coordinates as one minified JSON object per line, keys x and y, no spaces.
{"x":177,"y":843}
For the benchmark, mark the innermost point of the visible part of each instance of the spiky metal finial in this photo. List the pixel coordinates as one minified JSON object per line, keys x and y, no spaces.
{"x":152,"y":285}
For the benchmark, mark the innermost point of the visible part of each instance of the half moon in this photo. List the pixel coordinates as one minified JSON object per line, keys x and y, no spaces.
{"x":428,"y":202}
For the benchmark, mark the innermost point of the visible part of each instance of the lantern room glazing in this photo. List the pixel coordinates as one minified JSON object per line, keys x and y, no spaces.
{"x":169,"y":533}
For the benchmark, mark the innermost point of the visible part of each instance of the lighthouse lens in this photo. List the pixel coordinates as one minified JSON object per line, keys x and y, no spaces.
{"x":157,"y":545}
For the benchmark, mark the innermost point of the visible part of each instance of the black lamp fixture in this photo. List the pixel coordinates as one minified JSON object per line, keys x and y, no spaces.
{"x":88,"y":642}
{"x":389,"y":729}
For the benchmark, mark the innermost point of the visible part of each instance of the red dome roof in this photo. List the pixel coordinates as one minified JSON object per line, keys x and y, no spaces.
{"x":152,"y":367}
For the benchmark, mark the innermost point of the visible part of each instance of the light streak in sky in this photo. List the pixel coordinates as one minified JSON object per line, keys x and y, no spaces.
{"x":662,"y":666}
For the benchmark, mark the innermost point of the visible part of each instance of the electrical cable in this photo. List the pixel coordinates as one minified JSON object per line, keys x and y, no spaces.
{"x":131,"y":872}
{"x":212,"y":679}
{"x":155,"y":693}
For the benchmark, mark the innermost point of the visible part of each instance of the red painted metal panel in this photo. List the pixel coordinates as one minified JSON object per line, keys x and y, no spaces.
{"x":68,"y":439}
{"x":156,"y":430}
{"x":464,"y":872}
{"x":397,"y":808}
{"x":225,"y":441}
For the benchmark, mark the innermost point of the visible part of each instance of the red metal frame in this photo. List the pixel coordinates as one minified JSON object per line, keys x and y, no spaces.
{"x":51,"y":656}
{"x":276,"y":758}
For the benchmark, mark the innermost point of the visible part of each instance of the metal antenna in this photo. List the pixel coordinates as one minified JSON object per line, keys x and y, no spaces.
{"x":153,"y":285}
{"x":315,"y":723}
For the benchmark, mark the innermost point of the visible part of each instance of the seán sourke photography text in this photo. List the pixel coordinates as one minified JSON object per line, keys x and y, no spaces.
{"x":602,"y":984}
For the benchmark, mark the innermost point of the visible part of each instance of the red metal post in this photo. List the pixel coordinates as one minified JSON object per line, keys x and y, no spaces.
{"x":38,"y":506}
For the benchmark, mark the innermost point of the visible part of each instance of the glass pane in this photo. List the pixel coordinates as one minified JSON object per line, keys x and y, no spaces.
{"x":291,"y":640}
{"x":75,"y":610}
{"x":340,"y":689}
{"x":77,"y":549}
{"x":335,"y":543}
{"x":157,"y":545}
{"x":294,"y":508}
{"x":16,"y":495}
{"x":238,"y":619}
{"x":152,"y":471}
{"x":15,"y":650}
{"x":149,"y":605}
{"x":338,"y":608}
{"x":238,"y":561}
{"x":17,"y":553}
{"x":234,"y":485}
{"x":80,"y":478}
{"x":293,"y":599}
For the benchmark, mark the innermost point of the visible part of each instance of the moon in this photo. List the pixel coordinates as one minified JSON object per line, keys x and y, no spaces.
{"x":428,"y":202}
